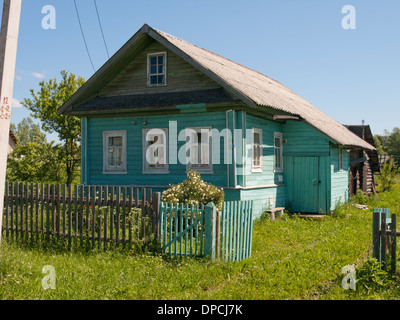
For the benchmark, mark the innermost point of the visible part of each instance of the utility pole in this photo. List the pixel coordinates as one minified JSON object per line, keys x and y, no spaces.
{"x":8,"y":57}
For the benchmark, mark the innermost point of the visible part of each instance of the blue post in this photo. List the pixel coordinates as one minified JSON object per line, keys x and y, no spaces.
{"x":209,"y":236}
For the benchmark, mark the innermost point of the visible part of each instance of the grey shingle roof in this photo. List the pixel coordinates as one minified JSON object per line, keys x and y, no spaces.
{"x":265,"y":91}
{"x":252,"y":87}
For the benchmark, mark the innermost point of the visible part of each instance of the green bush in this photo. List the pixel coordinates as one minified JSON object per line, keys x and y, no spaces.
{"x":388,"y":174}
{"x":360,"y":197}
{"x":194,"y":191}
{"x":371,"y":277}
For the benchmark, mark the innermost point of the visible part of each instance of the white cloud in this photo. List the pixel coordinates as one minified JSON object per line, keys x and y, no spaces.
{"x":16,"y":103}
{"x":38,"y":75}
{"x":18,"y":78}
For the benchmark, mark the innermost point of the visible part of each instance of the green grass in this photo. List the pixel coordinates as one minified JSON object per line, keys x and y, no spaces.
{"x":292,"y":258}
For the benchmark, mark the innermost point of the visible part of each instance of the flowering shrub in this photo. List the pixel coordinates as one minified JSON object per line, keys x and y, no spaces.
{"x":194,"y":191}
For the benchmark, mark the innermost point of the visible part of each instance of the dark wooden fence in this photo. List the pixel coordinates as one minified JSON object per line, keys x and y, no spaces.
{"x":384,"y":238}
{"x":80,"y":215}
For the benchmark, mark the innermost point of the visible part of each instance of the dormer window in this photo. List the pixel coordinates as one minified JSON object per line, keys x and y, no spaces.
{"x":157,"y":69}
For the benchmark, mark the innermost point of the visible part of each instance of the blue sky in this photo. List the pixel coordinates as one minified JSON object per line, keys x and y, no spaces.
{"x":351,"y":75}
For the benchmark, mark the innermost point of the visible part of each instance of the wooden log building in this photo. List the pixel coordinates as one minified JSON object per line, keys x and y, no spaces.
{"x":364,"y":163}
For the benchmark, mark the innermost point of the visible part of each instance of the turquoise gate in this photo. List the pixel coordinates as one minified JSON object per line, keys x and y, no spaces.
{"x":202,"y":231}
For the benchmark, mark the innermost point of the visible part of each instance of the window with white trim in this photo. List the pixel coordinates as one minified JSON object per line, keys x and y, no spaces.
{"x":155,"y":151}
{"x":278,"y":152}
{"x":157,"y":69}
{"x":199,"y":149}
{"x":257,"y":150}
{"x":340,"y":159}
{"x":114,"y":152}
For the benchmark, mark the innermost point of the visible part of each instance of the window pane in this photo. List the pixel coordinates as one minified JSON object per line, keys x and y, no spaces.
{"x":277,"y":142}
{"x":111,"y":161}
{"x":277,"y":158}
{"x":153,"y":69}
{"x":118,"y":152}
{"x":204,"y":154}
{"x":160,"y":69}
{"x":256,"y":138}
{"x":116,"y":141}
{"x":153,"y":79}
{"x":160,"y":59}
{"x":153,"y":60}
{"x":160,"y":79}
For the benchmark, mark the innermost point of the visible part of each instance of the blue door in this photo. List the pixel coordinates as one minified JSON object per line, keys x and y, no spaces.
{"x":303,"y":184}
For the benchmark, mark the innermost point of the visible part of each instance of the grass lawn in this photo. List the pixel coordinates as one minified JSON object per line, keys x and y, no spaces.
{"x":292,"y":258}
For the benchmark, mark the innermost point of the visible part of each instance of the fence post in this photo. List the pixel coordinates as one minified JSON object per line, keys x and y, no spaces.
{"x":375,"y":235}
{"x":209,"y":237}
{"x":156,"y":214}
{"x":383,"y":240}
{"x":394,"y":243}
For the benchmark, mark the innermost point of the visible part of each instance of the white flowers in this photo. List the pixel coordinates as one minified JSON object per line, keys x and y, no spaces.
{"x":194,"y":191}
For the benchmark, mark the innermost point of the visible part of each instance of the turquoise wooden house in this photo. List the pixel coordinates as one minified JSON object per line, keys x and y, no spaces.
{"x":160,"y":99}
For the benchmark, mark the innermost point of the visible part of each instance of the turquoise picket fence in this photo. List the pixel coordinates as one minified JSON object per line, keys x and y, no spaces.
{"x":202,"y":231}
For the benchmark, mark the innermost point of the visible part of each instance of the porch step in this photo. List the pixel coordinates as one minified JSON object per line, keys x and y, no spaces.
{"x":280,"y":211}
{"x":312,"y":216}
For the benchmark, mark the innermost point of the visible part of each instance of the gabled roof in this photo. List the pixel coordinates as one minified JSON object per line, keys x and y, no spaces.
{"x":253,"y":88}
{"x":364,"y":132}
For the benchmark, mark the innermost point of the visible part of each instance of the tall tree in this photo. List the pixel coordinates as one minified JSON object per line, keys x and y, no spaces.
{"x":378,"y":141}
{"x":44,"y":105}
{"x":393,"y":143}
{"x":27,"y":131}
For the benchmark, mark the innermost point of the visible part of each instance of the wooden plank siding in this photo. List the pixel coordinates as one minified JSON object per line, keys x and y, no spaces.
{"x":267,"y":176}
{"x":181,"y":76}
{"x":305,"y":141}
{"x":339,"y":177}
{"x":135,"y":175}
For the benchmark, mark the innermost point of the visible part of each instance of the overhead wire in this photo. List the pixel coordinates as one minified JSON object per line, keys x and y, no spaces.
{"x":83,"y":35}
{"x":101,"y":28}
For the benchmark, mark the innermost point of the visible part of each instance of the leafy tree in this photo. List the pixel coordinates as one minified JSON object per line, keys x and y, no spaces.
{"x":27,"y":131}
{"x":388,"y":174}
{"x":36,"y":162}
{"x":393,"y":143}
{"x":378,"y":141}
{"x":44,"y":105}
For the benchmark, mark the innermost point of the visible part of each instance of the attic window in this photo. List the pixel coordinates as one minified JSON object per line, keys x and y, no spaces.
{"x":156,"y":69}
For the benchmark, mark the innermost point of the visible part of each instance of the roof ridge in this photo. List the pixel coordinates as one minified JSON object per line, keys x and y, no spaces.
{"x":216,"y":54}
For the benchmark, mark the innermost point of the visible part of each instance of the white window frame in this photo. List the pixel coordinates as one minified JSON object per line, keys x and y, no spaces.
{"x":278,"y":135}
{"x":206,"y":169}
{"x":147,"y":169}
{"x":156,"y":54}
{"x":106,"y":136}
{"x":258,"y":168}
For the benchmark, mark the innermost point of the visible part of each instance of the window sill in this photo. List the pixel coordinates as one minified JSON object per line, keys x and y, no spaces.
{"x":256,"y":170}
{"x":115,"y":172}
{"x":157,"y":85}
{"x":201,"y":171}
{"x":156,"y":172}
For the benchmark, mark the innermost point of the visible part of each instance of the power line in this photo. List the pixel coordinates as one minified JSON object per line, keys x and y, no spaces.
{"x":101,"y":28}
{"x":83,"y":35}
